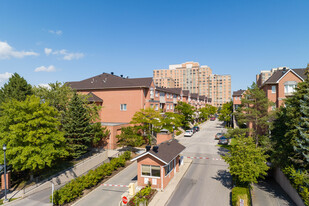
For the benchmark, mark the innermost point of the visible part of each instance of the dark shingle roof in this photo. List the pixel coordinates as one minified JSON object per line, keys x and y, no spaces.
{"x":185,"y":93}
{"x":194,"y":95}
{"x":94,"y":98}
{"x":167,"y":151}
{"x":278,"y":74}
{"x":108,"y":81}
{"x":175,"y":90}
{"x":238,"y":92}
{"x":202,"y":97}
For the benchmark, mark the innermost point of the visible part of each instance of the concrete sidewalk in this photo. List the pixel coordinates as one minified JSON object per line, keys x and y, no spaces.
{"x":162,"y":197}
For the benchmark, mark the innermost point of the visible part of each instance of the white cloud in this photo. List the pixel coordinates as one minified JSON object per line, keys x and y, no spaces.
{"x":69,"y":56}
{"x":44,"y":85}
{"x":51,"y":68}
{"x":6,"y":52}
{"x":57,"y":32}
{"x":48,"y":51}
{"x":4,"y":77}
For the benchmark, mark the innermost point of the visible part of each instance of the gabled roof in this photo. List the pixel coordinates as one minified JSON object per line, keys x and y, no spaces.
{"x":94,"y":98}
{"x":109,"y":81}
{"x":194,"y":95}
{"x":167,"y":151}
{"x":185,"y":93}
{"x":238,"y":92}
{"x":209,"y":99}
{"x":279,"y":74}
{"x":175,"y":90}
{"x":202,"y":97}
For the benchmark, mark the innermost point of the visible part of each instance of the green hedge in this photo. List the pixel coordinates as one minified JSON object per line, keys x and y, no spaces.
{"x":74,"y":189}
{"x":241,"y":193}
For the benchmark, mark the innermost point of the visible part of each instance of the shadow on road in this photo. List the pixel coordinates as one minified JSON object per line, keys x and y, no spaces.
{"x":225,"y":178}
{"x":134,"y":178}
{"x":222,"y":151}
{"x":273,"y":189}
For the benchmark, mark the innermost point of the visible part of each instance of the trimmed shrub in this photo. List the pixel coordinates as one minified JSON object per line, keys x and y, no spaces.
{"x":74,"y":189}
{"x":241,"y":193}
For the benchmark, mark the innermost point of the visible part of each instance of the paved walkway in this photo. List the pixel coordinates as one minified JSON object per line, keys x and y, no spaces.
{"x":269,"y":193}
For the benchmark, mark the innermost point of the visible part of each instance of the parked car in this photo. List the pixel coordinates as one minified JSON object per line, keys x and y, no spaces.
{"x":188,"y":133}
{"x":218,"y":135}
{"x":212,"y":118}
{"x":196,"y":128}
{"x":223,"y":140}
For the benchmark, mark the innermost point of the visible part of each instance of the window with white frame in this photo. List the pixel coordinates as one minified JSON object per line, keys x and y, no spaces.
{"x":167,"y":107}
{"x":167,"y":96}
{"x":273,"y":89}
{"x":157,"y":93}
{"x":289,"y":87}
{"x":151,"y":92}
{"x":123,"y":107}
{"x":151,"y":170}
{"x":171,"y":107}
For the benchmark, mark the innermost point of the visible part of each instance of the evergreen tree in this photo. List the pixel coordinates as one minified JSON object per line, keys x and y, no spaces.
{"x":254,"y":111}
{"x":30,"y":130}
{"x":130,"y":137}
{"x":16,"y":88}
{"x":77,"y":127}
{"x":302,"y":140}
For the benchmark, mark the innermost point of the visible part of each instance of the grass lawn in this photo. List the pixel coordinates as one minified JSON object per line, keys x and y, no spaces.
{"x":10,"y":200}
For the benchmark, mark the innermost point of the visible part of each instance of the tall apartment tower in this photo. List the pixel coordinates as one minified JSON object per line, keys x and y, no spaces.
{"x":197,"y":79}
{"x":265,"y":74}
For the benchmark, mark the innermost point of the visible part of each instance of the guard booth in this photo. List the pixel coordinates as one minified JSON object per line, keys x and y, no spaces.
{"x":8,"y":177}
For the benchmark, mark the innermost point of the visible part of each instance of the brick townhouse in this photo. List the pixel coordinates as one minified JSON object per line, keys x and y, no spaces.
{"x":237,"y":96}
{"x":281,"y":84}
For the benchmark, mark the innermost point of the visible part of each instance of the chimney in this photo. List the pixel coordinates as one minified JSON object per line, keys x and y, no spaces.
{"x":121,"y":75}
{"x":148,"y":147}
{"x":155,"y":148}
{"x":112,"y":73}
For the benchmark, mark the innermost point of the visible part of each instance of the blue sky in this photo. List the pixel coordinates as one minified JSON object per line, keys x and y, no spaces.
{"x":48,"y":41}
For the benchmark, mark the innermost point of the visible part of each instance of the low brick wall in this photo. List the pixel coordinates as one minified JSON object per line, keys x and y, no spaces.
{"x":284,"y":182}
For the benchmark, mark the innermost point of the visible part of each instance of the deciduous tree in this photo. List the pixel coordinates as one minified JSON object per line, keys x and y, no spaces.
{"x":225,"y":113}
{"x":130,"y":136}
{"x":30,"y":130}
{"x":187,"y":111}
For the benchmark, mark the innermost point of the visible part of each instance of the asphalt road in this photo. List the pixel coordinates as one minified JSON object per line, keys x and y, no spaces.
{"x":110,"y":196}
{"x":207,"y":182}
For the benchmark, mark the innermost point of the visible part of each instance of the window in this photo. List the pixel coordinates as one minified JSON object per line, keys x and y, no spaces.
{"x":167,"y":107}
{"x":151,"y":93}
{"x":273,"y":89}
{"x":167,"y":96}
{"x":236,"y":98}
{"x":151,"y":170}
{"x":168,"y":168}
{"x":123,"y":107}
{"x":157,"y":107}
{"x":157,"y":93}
{"x":289,"y":87}
{"x":151,"y":105}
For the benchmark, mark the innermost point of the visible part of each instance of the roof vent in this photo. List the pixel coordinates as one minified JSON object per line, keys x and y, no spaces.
{"x":155,"y":148}
{"x":112,"y":73}
{"x":148,"y":147}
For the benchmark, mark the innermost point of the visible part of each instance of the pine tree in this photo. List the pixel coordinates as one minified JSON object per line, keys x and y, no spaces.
{"x":302,"y":140}
{"x":16,"y":88}
{"x":77,"y":127}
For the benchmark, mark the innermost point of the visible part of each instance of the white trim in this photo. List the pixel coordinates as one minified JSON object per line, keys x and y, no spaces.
{"x":142,"y":155}
{"x":288,"y":72}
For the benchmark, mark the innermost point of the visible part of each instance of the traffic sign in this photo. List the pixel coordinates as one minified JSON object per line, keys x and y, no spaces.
{"x":124,"y":200}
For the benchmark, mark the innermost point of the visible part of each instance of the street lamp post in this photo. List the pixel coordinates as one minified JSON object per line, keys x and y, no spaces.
{"x":5,"y":198}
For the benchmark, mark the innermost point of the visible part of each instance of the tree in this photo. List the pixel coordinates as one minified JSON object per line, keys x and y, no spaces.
{"x":77,"y":127}
{"x":16,"y":88}
{"x":99,"y":133}
{"x":187,"y":111}
{"x":206,"y":111}
{"x":254,"y":111}
{"x":30,"y":130}
{"x":149,"y":121}
{"x":226,"y":112}
{"x":246,"y":162}
{"x":130,"y":137}
{"x":172,"y":121}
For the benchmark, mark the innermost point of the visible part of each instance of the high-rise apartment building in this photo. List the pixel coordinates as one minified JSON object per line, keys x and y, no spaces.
{"x":197,"y":79}
{"x":265,"y":74}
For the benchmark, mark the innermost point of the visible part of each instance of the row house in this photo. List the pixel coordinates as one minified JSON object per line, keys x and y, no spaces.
{"x":237,"y":96}
{"x":121,"y":97}
{"x":281,"y":84}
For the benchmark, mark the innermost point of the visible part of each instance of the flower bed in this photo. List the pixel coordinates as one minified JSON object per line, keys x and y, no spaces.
{"x":142,"y":197}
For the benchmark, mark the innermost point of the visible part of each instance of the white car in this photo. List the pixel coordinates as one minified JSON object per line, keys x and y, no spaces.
{"x":188,"y":133}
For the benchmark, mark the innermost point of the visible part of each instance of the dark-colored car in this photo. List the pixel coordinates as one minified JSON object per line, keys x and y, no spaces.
{"x":223,"y":140}
{"x":218,"y":135}
{"x":196,"y":128}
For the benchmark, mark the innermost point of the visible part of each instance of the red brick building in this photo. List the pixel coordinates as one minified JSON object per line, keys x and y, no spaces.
{"x":159,"y":164}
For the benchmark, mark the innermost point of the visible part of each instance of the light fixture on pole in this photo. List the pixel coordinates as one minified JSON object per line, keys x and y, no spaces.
{"x":5,"y":192}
